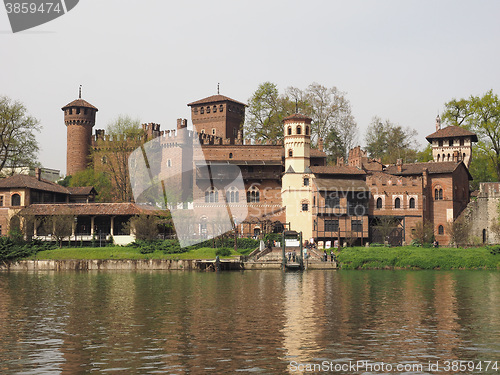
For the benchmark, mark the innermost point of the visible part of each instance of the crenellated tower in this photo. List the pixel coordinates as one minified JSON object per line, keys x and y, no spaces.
{"x":79,"y":117}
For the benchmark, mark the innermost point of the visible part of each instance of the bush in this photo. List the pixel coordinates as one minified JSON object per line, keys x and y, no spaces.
{"x":11,"y":249}
{"x":223,"y":252}
{"x":167,"y":246}
{"x":241,"y":243}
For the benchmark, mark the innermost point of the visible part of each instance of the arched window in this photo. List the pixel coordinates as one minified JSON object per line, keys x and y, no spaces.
{"x":211,"y":195}
{"x":230,"y":155}
{"x":202,"y":110}
{"x":290,"y":153}
{"x":289,"y":130}
{"x":221,"y":108}
{"x":253,"y":195}
{"x":232,"y":195}
{"x":208,"y":109}
{"x":397,"y":203}
{"x":438,"y":193}
{"x":299,"y":130}
{"x":412,"y":202}
{"x":439,"y":158}
{"x":441,"y":230}
{"x":307,"y":130}
{"x":15,"y":200}
{"x":448,"y":157}
{"x":379,"y":203}
{"x":215,"y":108}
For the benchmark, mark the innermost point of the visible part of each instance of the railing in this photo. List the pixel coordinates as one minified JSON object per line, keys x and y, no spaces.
{"x":351,"y":210}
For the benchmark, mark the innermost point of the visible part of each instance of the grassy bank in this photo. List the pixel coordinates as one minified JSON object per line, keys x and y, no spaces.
{"x":117,"y":252}
{"x":409,"y":257}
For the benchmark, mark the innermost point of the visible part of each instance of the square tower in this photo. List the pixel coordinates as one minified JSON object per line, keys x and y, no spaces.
{"x":218,"y":115}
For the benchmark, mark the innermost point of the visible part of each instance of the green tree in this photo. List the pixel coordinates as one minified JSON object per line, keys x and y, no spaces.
{"x":390,"y":142}
{"x":425,"y":155}
{"x":265,"y":113}
{"x":480,"y":114}
{"x":99,"y":180}
{"x":18,"y":144}
{"x":481,"y":169}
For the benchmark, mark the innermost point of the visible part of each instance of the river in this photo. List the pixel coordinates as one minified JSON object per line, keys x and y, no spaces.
{"x":249,"y":322}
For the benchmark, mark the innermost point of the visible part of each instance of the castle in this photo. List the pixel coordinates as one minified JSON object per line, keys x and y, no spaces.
{"x":286,"y":184}
{"x":289,"y":185}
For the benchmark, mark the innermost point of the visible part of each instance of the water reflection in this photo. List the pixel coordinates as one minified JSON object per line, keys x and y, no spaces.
{"x":257,"y":321}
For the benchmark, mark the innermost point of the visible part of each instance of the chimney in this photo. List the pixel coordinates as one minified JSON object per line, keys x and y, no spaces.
{"x":399,"y":165}
{"x":320,"y":144}
{"x":38,"y":173}
{"x":340,"y":160}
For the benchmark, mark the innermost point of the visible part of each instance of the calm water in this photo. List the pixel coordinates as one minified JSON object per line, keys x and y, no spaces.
{"x":254,"y":321}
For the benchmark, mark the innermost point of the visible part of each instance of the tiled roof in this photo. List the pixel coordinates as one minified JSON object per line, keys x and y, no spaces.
{"x":344,"y":170}
{"x":215,"y":99}
{"x":81,"y":209}
{"x":450,"y":132}
{"x":79,"y":103}
{"x":31,"y":182}
{"x":81,"y":190}
{"x":432,"y":167}
{"x":297,"y":116}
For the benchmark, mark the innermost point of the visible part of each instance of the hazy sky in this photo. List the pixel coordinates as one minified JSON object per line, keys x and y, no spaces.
{"x":399,"y":60}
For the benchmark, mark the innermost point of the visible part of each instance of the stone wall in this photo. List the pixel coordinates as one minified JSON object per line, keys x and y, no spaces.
{"x":482,"y":211}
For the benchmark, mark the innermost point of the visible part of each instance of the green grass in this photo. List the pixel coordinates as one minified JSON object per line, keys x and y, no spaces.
{"x":117,"y":252}
{"x":409,"y":257}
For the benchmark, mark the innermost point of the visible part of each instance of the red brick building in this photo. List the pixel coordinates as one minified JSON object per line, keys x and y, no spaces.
{"x":287,"y":183}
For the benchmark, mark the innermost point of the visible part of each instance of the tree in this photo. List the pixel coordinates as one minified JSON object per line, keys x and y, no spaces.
{"x":459,"y":231}
{"x":60,"y":226}
{"x":112,"y":159}
{"x":423,"y":233}
{"x":390,"y":142}
{"x":328,"y":108}
{"x":265,"y":113}
{"x":18,"y":145}
{"x":145,"y":227}
{"x":482,"y":116}
{"x":99,"y":180}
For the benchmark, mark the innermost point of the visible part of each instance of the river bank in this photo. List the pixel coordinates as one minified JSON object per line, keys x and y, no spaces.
{"x":354,"y":258}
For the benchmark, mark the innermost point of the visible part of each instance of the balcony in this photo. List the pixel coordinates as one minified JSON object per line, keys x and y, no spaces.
{"x":350,"y":210}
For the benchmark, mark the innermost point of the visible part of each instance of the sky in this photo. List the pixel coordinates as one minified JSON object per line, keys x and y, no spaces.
{"x":398,"y":60}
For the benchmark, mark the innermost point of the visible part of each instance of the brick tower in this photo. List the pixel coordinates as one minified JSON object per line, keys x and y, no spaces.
{"x":79,"y":117}
{"x":218,"y":115}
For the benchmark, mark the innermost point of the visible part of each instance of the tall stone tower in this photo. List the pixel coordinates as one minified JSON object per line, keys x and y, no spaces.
{"x":218,"y":115}
{"x":79,"y":117}
{"x":297,"y":181}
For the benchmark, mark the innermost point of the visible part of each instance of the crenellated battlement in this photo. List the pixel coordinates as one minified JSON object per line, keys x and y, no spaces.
{"x":384,"y":179}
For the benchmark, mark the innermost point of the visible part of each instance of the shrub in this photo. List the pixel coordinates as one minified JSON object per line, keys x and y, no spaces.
{"x":223,"y":252}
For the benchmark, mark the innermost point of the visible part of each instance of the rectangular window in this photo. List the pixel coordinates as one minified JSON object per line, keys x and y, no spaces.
{"x":357,"y":225}
{"x":305,"y":207}
{"x":1,"y":200}
{"x":306,"y":181}
{"x":331,"y":225}
{"x":332,"y":200}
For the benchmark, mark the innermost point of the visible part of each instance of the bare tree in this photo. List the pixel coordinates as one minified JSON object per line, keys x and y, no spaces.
{"x":60,"y":226}
{"x":459,"y":231}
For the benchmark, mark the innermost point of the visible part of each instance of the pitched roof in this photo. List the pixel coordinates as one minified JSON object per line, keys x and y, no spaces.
{"x":215,"y":99}
{"x":432,"y":168}
{"x":79,"y":103}
{"x":81,"y":190}
{"x":338,"y":170}
{"x":297,"y":116}
{"x":450,"y":132}
{"x":31,"y":182}
{"x":80,"y":209}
